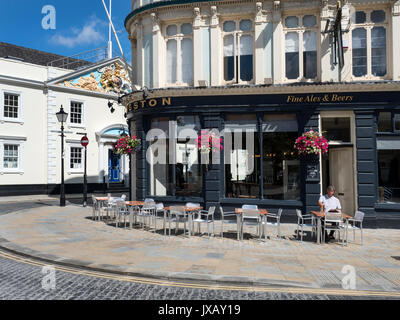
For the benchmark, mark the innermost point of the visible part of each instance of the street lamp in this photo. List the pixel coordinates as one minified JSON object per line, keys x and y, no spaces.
{"x":62,"y":117}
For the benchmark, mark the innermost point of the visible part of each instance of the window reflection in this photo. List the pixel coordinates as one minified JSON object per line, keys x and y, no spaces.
{"x":389,"y":174}
{"x":242,"y":157}
{"x":188,"y":174}
{"x":281,"y":165}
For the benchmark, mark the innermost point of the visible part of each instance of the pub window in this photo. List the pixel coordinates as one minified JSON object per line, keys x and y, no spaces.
{"x":336,"y":129}
{"x":11,"y":105}
{"x":242,"y":157}
{"x":161,"y":182}
{"x":301,"y":47}
{"x":185,"y":177}
{"x":388,"y":122}
{"x":281,"y":164}
{"x":369,"y":42}
{"x":389,"y":169}
{"x":76,"y":116}
{"x":179,"y":44}
{"x":397,"y":122}
{"x":238,"y":51}
{"x":385,"y":122}
{"x":388,"y":149}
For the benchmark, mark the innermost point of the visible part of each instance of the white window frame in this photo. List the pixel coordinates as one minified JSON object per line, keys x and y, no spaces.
{"x":368,"y":25}
{"x":300,"y":29}
{"x":237,"y":33}
{"x":72,"y":124}
{"x":178,"y":37}
{"x":20,"y":144}
{"x":20,"y":118}
{"x":77,"y":170}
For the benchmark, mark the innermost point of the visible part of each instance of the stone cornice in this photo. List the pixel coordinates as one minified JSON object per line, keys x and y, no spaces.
{"x":250,"y":90}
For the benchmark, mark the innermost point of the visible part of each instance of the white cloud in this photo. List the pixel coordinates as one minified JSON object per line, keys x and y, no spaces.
{"x":89,"y":34}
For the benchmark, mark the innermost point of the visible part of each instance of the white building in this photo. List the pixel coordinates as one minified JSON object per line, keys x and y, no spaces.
{"x":31,"y":92}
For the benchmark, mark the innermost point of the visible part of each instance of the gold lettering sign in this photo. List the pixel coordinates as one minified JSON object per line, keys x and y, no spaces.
{"x":320,"y":98}
{"x":150,"y":103}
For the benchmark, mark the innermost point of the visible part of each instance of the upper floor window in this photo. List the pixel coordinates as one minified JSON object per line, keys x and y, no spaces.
{"x":76,"y":116}
{"x":238,"y":51}
{"x":301,"y":52}
{"x":11,"y":105}
{"x":179,"y":54}
{"x":369,"y":43}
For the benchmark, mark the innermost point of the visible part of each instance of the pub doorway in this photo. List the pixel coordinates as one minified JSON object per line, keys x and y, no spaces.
{"x":338,"y":165}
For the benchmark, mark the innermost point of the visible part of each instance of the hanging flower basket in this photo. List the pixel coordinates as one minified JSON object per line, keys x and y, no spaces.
{"x":311,"y":143}
{"x":127,"y":145}
{"x":208,"y":141}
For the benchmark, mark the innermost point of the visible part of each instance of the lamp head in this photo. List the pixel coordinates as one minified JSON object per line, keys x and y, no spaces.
{"x":62,"y":115}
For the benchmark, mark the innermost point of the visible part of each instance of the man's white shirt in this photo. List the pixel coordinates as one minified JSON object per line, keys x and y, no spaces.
{"x":331,"y":203}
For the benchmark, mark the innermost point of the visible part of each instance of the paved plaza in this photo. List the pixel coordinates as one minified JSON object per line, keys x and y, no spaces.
{"x":69,"y":236}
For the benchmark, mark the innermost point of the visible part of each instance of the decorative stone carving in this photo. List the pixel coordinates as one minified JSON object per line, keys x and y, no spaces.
{"x":259,"y":18}
{"x":197,"y":18}
{"x":276,"y":14}
{"x":277,"y":5}
{"x":214,"y":21}
{"x":156,"y":22}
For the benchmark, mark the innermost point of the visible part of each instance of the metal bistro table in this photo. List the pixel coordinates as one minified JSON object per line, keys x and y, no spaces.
{"x":190,"y":211}
{"x":239,"y":211}
{"x":319,"y":215}
{"x":133,"y":204}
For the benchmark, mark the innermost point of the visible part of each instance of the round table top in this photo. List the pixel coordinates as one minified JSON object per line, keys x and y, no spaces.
{"x":134,"y":203}
{"x":261,"y":211}
{"x":320,"y":214}
{"x":188,"y":209}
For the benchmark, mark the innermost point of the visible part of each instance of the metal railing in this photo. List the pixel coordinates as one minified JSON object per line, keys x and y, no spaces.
{"x":80,"y":60}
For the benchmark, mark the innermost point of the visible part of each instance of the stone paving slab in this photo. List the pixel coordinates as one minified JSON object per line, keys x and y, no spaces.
{"x":69,"y":236}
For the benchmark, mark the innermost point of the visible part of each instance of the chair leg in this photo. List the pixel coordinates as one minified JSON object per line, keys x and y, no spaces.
{"x":302,"y":227}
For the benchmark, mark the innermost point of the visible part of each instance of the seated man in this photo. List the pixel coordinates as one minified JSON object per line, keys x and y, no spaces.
{"x":329,"y":202}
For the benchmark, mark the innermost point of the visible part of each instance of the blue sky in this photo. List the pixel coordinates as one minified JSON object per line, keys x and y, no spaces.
{"x":81,"y":25}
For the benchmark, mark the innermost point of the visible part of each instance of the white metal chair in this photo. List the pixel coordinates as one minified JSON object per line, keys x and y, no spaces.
{"x":160,"y":210}
{"x":147,"y":212}
{"x":206,"y":217}
{"x":192,"y":213}
{"x":95,"y":207}
{"x":302,"y":222}
{"x":121,"y":211}
{"x":333,"y":221}
{"x":352,"y":225}
{"x":251,"y":217}
{"x":178,"y":215}
{"x":226,"y":218}
{"x":276,"y":223}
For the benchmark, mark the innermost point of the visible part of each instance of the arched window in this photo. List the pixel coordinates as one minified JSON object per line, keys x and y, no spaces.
{"x":179,"y":43}
{"x":369,"y":39}
{"x":238,"y":51}
{"x":301,"y":60}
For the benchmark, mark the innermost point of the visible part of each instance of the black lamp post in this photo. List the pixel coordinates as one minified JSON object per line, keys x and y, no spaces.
{"x":62,"y":117}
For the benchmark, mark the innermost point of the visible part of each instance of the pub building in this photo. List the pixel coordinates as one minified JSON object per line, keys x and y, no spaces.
{"x":275,"y":69}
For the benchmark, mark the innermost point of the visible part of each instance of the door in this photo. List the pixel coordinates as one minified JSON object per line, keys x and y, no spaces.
{"x":341,"y":174}
{"x":114,"y":166}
